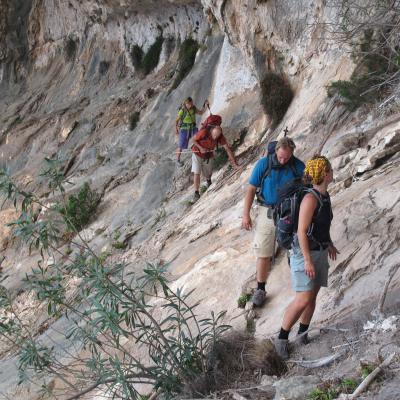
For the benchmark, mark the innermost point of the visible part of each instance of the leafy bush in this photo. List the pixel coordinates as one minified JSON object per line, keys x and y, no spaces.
{"x":276,"y":96}
{"x":118,"y":309}
{"x":243,"y":299}
{"x":104,"y":66}
{"x":145,"y":63}
{"x":187,"y":56}
{"x":79,"y":208}
{"x":133,"y":120}
{"x":371,"y":29}
{"x":364,"y":86}
{"x":137,"y":56}
{"x":70,"y":48}
{"x":152,"y":57}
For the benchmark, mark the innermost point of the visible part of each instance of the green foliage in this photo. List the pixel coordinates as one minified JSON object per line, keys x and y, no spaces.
{"x":323,"y":394}
{"x":330,"y":391}
{"x":137,"y":56}
{"x":79,"y":208}
{"x":276,"y":96}
{"x":348,"y":385}
{"x":107,"y":308}
{"x":119,"y":245}
{"x":366,"y":370}
{"x":243,"y":299}
{"x":152,"y":57}
{"x":377,"y":60}
{"x":187,"y":56}
{"x":145,"y":63}
{"x":70,"y":48}
{"x":133,"y":120}
{"x":104,"y":66}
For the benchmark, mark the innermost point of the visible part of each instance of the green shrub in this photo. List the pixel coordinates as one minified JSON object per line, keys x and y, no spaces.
{"x":70,"y":48}
{"x":372,"y":76}
{"x":243,"y":299}
{"x":152,"y":57}
{"x":80,"y":208}
{"x":145,"y":63}
{"x":276,"y":96}
{"x":104,"y":66}
{"x":137,"y":56}
{"x":133,"y":120}
{"x":187,"y":56}
{"x":119,"y":245}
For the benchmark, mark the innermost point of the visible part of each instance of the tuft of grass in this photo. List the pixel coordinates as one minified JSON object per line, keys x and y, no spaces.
{"x":242,"y":300}
{"x":276,"y":96}
{"x":323,"y":394}
{"x":79,"y":208}
{"x":203,"y":189}
{"x":366,"y":370}
{"x":187,"y":56}
{"x":133,"y":120}
{"x":119,"y":245}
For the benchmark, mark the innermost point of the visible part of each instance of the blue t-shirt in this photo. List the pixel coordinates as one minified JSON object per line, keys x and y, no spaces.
{"x":276,"y":179}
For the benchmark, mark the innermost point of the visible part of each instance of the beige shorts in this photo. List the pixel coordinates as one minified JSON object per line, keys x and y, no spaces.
{"x":200,"y":165}
{"x":264,"y":239}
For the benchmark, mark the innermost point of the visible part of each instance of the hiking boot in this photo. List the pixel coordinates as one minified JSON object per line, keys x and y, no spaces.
{"x":282,"y":348}
{"x":180,"y":163}
{"x":258,"y":297}
{"x":208,"y":184}
{"x":196,"y":197}
{"x":303,"y":338}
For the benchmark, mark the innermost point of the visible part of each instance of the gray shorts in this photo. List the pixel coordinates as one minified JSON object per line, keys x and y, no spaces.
{"x":300,"y":280}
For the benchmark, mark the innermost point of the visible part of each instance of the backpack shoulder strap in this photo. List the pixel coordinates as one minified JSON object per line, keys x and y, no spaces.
{"x":267,"y":171}
{"x":317,"y":196}
{"x":292,"y":166}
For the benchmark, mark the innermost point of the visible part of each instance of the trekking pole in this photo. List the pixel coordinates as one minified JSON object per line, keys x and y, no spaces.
{"x":208,"y":105}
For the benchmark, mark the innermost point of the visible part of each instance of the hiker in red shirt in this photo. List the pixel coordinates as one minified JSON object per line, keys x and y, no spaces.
{"x":205,"y":142}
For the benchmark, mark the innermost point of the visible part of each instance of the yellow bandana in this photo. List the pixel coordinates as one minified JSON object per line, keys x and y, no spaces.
{"x":316,"y":169}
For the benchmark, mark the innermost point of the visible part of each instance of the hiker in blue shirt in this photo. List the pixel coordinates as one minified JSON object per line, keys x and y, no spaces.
{"x":269,"y":174}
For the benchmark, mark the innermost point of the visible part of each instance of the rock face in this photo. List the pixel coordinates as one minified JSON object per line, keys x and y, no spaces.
{"x":70,"y":84}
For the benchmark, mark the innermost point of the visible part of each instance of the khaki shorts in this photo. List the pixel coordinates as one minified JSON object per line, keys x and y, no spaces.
{"x":200,"y":165}
{"x":264,"y":239}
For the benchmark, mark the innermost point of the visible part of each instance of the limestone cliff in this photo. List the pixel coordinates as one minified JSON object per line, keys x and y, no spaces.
{"x":70,"y":82}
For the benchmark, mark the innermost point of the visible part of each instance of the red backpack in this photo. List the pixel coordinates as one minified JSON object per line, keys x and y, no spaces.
{"x":211,"y":122}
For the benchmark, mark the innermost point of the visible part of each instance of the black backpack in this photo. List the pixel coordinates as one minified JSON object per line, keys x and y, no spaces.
{"x":286,"y":212}
{"x":271,"y":147}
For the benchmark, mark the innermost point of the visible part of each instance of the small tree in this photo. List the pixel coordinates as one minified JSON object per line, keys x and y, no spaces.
{"x":111,"y":312}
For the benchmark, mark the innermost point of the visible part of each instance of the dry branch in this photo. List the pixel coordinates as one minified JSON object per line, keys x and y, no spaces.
{"x":391,"y":274}
{"x":367,"y":381}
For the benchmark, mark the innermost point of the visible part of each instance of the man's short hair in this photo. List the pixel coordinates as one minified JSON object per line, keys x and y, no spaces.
{"x":285,"y":143}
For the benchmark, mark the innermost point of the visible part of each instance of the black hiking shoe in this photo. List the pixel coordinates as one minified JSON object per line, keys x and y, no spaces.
{"x":196,"y":197}
{"x":258,"y":297}
{"x":180,"y":163}
{"x":282,"y":347}
{"x":208,"y":184}
{"x":302,"y":338}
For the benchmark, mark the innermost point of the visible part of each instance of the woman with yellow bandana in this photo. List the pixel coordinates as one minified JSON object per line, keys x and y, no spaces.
{"x":309,"y":255}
